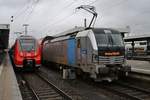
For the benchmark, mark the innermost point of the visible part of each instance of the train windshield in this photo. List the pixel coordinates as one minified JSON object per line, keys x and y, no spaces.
{"x":108,"y":37}
{"x":27,"y":45}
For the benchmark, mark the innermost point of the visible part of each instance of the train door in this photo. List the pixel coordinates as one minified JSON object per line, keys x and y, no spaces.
{"x":83,"y":51}
{"x":78,"y":46}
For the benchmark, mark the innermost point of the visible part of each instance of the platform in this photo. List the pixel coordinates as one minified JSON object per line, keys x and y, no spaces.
{"x":143,"y":58}
{"x":139,"y":66}
{"x":9,"y":89}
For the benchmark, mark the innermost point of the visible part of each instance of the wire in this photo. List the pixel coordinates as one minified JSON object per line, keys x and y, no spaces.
{"x":63,"y":19}
{"x":92,"y":2}
{"x":23,"y":10}
{"x":106,"y":10}
{"x":32,"y":10}
{"x":62,"y":10}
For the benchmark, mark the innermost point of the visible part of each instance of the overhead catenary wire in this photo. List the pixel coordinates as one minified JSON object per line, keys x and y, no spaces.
{"x":93,"y":2}
{"x":61,"y":20}
{"x":32,"y":10}
{"x":114,"y":5}
{"x":26,"y":11}
{"x":132,"y":18}
{"x":64,"y":8}
{"x":23,"y":10}
{"x":64,"y":18}
{"x":59,"y":14}
{"x":33,"y":6}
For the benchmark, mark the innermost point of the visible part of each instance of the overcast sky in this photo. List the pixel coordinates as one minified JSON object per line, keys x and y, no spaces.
{"x":48,"y":17}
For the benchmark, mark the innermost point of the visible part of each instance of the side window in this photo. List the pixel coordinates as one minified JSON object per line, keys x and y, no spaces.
{"x":78,"y":43}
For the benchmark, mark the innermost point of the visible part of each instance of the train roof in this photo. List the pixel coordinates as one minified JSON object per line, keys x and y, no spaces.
{"x":123,"y":30}
{"x":26,"y":37}
{"x":94,"y":30}
{"x":79,"y":29}
{"x":137,"y":38}
{"x":104,"y":29}
{"x":77,"y":33}
{"x":70,"y":31}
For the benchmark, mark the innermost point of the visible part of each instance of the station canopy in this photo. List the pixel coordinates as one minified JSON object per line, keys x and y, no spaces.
{"x":137,"y":38}
{"x":4,"y":36}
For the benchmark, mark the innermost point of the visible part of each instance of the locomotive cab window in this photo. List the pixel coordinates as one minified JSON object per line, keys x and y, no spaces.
{"x":108,"y":37}
{"x":142,"y":43}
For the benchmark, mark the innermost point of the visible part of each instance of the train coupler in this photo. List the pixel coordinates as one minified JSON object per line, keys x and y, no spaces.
{"x":125,"y":68}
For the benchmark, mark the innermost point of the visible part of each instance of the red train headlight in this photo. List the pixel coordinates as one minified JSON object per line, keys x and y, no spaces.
{"x":35,"y":53}
{"x":21,"y":53}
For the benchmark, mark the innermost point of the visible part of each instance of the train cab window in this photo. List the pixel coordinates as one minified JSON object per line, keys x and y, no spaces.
{"x":28,"y":44}
{"x":142,"y":43}
{"x":148,"y":43}
{"x":78,"y":43}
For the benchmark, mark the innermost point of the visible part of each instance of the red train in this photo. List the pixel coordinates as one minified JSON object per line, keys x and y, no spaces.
{"x":26,"y":53}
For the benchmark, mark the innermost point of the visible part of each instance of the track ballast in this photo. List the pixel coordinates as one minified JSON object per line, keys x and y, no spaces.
{"x":43,"y":89}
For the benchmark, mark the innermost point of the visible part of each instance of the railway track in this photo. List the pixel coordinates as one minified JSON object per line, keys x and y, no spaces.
{"x":49,"y":75}
{"x":26,"y":91}
{"x":43,"y":89}
{"x":128,"y":91}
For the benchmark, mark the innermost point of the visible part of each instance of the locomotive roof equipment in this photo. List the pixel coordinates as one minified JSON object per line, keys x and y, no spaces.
{"x":90,"y":9}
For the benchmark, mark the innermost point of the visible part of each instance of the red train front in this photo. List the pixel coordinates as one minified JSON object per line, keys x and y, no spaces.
{"x":27,"y":53}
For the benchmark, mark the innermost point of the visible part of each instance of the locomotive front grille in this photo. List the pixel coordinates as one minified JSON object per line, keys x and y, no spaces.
{"x":111,"y":59}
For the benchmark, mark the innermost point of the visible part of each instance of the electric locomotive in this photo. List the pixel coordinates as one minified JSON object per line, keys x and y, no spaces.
{"x":26,"y":53}
{"x":95,"y":52}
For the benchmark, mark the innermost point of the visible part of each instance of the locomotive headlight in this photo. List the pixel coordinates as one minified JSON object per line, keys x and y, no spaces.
{"x":35,"y":53}
{"x":95,"y":58}
{"x":21,"y":54}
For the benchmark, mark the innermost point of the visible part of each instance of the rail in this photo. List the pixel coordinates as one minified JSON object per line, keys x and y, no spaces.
{"x":43,"y":89}
{"x":128,"y":91}
{"x":67,"y":97}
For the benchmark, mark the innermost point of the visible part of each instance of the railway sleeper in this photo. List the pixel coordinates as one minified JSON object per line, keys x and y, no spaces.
{"x":129,"y":91}
{"x":49,"y":96}
{"x":136,"y":93}
{"x":144,"y":96}
{"x":46,"y":93}
{"x":118,"y":88}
